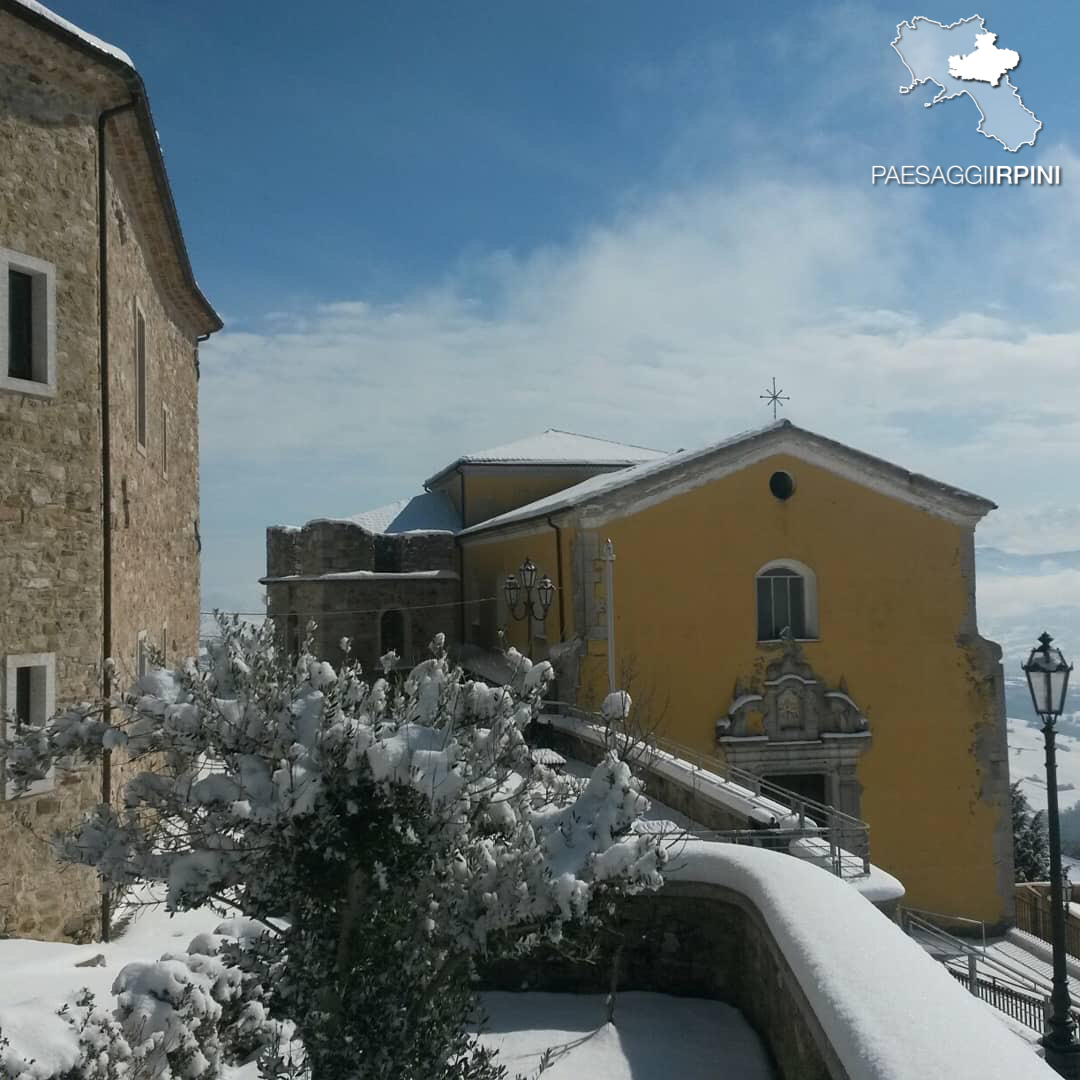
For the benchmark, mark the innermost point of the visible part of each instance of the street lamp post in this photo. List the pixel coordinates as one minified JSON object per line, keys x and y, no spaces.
{"x":1048,"y":678}
{"x":528,"y":598}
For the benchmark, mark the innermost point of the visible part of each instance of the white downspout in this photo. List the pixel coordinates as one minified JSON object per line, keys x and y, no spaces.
{"x":609,"y":557}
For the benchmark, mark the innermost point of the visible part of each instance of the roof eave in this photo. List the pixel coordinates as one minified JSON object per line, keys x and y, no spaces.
{"x":963,"y":503}
{"x":137,"y":87}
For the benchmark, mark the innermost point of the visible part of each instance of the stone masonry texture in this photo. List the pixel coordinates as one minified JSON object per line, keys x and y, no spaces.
{"x":695,"y":940}
{"x":51,"y":533}
{"x":353,"y":608}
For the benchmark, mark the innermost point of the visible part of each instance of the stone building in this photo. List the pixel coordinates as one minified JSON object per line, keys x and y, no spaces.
{"x":100,"y":322}
{"x":390,"y":578}
{"x":788,"y":604}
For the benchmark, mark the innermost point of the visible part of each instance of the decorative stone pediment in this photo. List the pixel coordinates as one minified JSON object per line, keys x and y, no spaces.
{"x":791,"y":703}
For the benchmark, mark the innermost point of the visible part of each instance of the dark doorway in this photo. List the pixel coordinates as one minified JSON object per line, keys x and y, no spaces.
{"x":392,"y":633}
{"x":803,"y":785}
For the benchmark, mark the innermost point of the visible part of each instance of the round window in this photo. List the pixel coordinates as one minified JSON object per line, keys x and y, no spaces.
{"x":782,"y":485}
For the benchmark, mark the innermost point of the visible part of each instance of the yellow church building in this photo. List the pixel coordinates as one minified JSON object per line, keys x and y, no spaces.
{"x":799,"y":608}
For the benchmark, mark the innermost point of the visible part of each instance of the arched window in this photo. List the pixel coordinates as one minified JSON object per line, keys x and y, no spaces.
{"x":392,"y":633}
{"x":786,"y":600}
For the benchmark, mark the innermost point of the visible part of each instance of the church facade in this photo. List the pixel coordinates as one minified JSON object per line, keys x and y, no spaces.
{"x":780,"y":600}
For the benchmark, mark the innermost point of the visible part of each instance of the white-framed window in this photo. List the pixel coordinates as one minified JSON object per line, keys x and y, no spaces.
{"x":165,"y":441}
{"x":29,"y":698}
{"x":27,"y":324}
{"x":787,"y":601}
{"x":140,"y":378}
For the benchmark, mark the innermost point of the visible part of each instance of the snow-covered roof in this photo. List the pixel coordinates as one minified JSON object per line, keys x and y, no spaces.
{"x":431,"y":511}
{"x":670,"y":473}
{"x":554,"y":447}
{"x":71,"y":28}
{"x":367,"y":575}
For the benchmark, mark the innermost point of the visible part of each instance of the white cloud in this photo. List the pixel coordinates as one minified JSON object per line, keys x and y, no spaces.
{"x":657,"y":327}
{"x":1018,"y":596}
{"x":661,"y":326}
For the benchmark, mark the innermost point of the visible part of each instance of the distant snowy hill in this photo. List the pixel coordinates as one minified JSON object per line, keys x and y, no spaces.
{"x":1028,"y":765}
{"x":1019,"y":595}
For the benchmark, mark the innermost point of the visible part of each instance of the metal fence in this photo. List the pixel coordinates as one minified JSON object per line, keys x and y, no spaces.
{"x":1030,"y":1011}
{"x":840,"y":842}
{"x":1033,"y":915}
{"x":1008,"y":984}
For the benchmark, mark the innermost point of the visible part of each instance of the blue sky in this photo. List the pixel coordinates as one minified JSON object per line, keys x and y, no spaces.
{"x":436,"y":227}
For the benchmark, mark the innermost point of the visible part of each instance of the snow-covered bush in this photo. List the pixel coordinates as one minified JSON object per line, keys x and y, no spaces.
{"x":381,"y":836}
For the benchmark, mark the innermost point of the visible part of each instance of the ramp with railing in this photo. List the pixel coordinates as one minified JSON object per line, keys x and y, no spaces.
{"x":774,"y":816}
{"x":1016,"y":987}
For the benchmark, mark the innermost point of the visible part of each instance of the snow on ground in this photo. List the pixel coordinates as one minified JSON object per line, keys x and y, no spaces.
{"x":40,"y":976}
{"x":888,"y":1009}
{"x":1028,"y":765}
{"x":653,"y":1034}
{"x":654,"y":1037}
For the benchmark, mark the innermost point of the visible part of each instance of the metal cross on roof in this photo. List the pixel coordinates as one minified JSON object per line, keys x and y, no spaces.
{"x":775,"y":397}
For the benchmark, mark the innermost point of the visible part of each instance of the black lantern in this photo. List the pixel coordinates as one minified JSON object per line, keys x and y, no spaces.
{"x":546,"y":591}
{"x":526,"y":598}
{"x":1048,"y":678}
{"x":511,"y":590}
{"x":527,"y":573}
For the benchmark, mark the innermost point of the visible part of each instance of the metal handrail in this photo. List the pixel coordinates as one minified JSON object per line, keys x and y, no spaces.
{"x":1027,"y":1010}
{"x":848,"y":837}
{"x":1023,"y":976}
{"x":951,"y":918}
{"x":725,"y":771}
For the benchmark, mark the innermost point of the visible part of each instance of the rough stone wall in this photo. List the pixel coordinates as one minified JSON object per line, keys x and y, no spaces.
{"x":354,"y":609}
{"x":387,"y":553}
{"x":154,"y":503}
{"x":39,"y":897}
{"x":282,"y":551}
{"x":427,"y":551}
{"x":50,"y":487}
{"x":51,"y":576}
{"x":697,"y":940}
{"x":328,"y":547}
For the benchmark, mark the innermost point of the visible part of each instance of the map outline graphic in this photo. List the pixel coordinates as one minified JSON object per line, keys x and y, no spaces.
{"x":964,"y":87}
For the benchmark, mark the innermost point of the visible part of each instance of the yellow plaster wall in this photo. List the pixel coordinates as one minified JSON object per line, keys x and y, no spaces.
{"x":894,"y":598}
{"x":494,"y":490}
{"x":893,"y":588}
{"x":485,"y":568}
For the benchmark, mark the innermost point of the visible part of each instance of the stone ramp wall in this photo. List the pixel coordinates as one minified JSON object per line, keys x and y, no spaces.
{"x":694,"y":940}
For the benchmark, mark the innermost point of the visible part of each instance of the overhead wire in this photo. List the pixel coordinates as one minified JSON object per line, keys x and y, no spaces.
{"x":360,"y":611}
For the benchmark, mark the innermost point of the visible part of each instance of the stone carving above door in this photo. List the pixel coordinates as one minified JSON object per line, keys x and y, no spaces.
{"x":791,"y":703}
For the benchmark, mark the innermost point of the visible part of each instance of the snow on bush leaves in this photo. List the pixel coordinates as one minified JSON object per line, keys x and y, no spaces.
{"x":381,"y":835}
